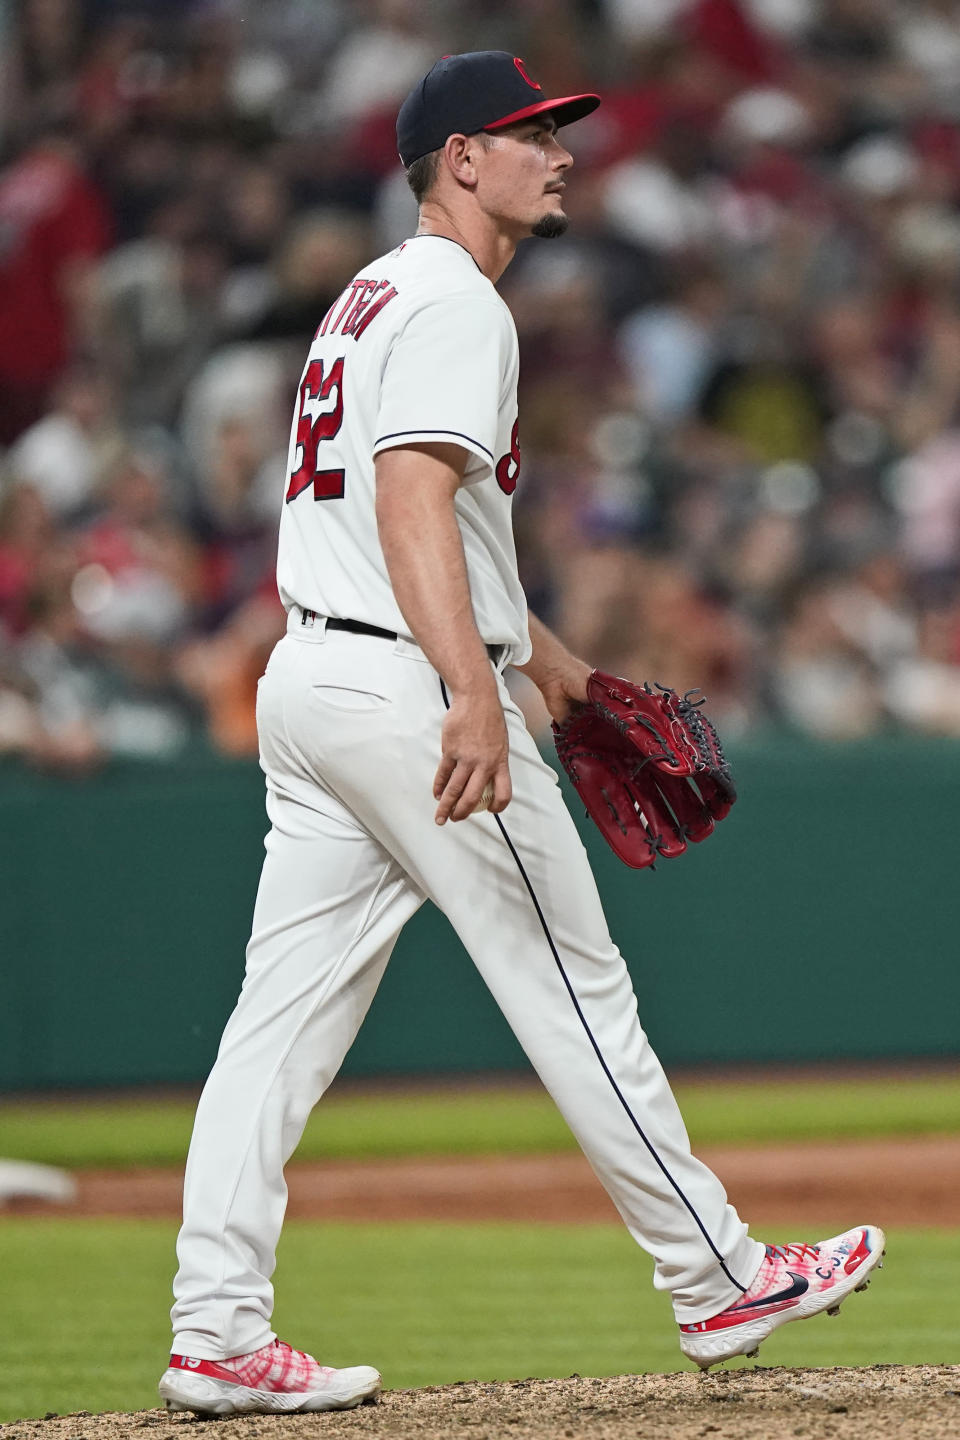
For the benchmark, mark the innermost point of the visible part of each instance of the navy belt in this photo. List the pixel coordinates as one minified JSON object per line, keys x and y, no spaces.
{"x":360,"y":627}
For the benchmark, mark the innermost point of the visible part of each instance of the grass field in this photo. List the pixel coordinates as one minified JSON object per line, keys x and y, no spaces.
{"x":85,"y":1302}
{"x":116,"y":1131}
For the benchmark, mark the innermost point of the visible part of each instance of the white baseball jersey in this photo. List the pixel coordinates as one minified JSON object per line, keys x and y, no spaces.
{"x":418,"y":347}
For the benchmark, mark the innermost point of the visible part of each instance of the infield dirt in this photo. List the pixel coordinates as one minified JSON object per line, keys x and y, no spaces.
{"x":883,"y":1402}
{"x":905,"y":1181}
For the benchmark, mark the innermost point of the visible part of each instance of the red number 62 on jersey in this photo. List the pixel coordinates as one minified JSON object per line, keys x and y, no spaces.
{"x":318,"y":422}
{"x":508,"y":466}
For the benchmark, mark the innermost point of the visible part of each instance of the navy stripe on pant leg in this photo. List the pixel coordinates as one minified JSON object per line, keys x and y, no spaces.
{"x":596,"y":1048}
{"x":606,"y":1068}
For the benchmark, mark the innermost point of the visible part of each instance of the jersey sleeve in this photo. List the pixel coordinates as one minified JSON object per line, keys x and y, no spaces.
{"x":444,"y":378}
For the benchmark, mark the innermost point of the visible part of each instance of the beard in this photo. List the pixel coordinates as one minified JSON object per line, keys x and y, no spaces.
{"x":550,"y":226}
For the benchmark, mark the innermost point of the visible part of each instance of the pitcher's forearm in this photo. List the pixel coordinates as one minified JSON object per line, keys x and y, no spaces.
{"x":551,"y":663}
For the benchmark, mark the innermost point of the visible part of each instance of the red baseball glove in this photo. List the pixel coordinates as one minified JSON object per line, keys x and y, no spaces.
{"x":648,"y":765}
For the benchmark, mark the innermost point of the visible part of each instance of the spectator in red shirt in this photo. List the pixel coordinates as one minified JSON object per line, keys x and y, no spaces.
{"x":53,"y":227}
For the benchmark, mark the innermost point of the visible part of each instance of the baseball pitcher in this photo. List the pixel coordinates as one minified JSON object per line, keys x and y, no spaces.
{"x":398,"y":769}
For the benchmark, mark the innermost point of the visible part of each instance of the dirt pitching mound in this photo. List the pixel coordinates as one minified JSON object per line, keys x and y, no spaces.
{"x":920,"y":1402}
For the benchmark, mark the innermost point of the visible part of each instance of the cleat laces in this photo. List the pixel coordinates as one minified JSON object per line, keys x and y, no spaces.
{"x":278,"y":1367}
{"x":794,"y":1253}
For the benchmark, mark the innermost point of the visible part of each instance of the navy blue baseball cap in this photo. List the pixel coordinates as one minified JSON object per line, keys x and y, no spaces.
{"x":482,"y":90}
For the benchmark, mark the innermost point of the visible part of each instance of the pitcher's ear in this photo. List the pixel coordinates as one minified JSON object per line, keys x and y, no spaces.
{"x":459,"y":152}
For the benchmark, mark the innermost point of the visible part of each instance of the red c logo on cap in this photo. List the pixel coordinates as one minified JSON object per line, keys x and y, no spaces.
{"x":520,"y":66}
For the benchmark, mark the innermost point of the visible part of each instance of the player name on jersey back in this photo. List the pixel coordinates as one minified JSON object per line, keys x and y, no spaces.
{"x":362,"y":301}
{"x":418,"y":348}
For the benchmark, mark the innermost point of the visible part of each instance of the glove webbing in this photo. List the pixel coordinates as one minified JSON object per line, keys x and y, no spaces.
{"x":703,"y":732}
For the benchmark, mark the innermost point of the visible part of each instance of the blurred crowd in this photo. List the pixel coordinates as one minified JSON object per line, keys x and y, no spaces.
{"x":740,"y":368}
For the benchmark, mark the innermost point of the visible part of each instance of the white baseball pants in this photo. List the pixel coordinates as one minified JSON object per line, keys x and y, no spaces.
{"x":350,"y":741}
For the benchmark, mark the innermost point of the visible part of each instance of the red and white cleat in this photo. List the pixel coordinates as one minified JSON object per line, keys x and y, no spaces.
{"x":793,"y":1283}
{"x":274,"y":1378}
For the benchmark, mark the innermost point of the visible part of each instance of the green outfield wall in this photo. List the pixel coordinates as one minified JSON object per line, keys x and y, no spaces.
{"x":822,"y":921}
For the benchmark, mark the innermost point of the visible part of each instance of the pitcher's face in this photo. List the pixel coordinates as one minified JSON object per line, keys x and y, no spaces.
{"x":520,"y":177}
